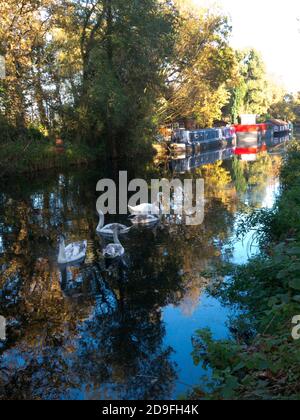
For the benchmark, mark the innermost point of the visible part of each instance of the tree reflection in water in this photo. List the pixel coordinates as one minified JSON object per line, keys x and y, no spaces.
{"x":96,"y":331}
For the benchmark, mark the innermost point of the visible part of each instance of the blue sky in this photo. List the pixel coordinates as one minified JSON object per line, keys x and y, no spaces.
{"x":270,"y":26}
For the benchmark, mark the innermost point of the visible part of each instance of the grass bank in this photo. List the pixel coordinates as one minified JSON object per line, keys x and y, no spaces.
{"x":262,"y":360}
{"x":33,"y":155}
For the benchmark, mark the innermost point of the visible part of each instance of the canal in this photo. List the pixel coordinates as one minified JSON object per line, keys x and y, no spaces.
{"x":119,"y":331}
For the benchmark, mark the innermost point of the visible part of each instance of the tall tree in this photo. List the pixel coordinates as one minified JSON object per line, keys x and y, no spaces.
{"x":22,"y":29}
{"x":203,"y":63}
{"x":253,"y":93}
{"x":286,"y":108}
{"x":124,"y":47}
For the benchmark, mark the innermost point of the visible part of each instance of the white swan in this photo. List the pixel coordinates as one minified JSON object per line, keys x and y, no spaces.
{"x":72,"y":253}
{"x":147,"y":208}
{"x":116,"y":249}
{"x":108,"y":230}
{"x":148,"y":219}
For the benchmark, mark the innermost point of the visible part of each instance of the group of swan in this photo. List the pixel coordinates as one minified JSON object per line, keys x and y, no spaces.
{"x":141,"y":215}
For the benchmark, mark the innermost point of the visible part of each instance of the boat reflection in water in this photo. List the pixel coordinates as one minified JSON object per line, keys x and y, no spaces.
{"x":183,"y":163}
{"x":246,"y":149}
{"x":206,"y":146}
{"x":121,"y":331}
{"x":248,"y":152}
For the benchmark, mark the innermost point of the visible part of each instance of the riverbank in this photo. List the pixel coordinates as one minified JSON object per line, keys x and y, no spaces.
{"x":261,"y":360}
{"x":26,"y":157}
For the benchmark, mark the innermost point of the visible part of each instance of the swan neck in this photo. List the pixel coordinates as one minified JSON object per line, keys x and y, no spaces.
{"x":101,"y":220}
{"x":116,"y":237}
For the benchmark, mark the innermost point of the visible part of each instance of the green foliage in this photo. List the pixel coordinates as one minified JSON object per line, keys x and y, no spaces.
{"x":239,"y":175}
{"x":253,"y":73}
{"x":261,"y":360}
{"x":91,"y":72}
{"x":108,"y":72}
{"x":123,"y":76}
{"x":252,"y":91}
{"x":203,"y":62}
{"x":7,"y":131}
{"x":254,"y":174}
{"x":286,"y":108}
{"x":37,"y":153}
{"x":238,"y":95}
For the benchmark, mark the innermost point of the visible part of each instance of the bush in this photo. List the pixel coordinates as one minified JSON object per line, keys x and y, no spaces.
{"x":37,"y":153}
{"x":261,"y":361}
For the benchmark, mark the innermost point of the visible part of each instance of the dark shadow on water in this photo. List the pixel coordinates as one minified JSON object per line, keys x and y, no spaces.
{"x":102,"y":330}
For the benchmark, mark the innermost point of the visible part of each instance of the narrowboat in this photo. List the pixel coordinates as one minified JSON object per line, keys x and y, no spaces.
{"x":248,"y":139}
{"x":229,"y":136}
{"x":181,"y":142}
{"x":280,"y":128}
{"x":279,"y":140}
{"x":252,"y":139}
{"x":201,"y":141}
{"x":206,"y":140}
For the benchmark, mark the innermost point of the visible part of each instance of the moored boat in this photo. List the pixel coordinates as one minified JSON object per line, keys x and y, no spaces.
{"x":204,"y":140}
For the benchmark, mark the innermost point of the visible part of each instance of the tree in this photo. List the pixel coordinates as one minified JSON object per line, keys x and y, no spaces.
{"x":203,"y":63}
{"x":287,"y":108}
{"x":23,"y":27}
{"x":124,"y":47}
{"x":85,"y":69}
{"x":254,"y":90}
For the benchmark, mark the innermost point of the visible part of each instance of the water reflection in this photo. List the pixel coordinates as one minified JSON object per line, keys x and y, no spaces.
{"x":184,"y":164}
{"x":117,"y":330}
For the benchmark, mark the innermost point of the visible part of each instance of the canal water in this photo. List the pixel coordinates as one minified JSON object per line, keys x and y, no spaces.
{"x":120,"y":331}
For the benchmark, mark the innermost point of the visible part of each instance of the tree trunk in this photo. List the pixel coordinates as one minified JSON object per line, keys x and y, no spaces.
{"x":39,"y":97}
